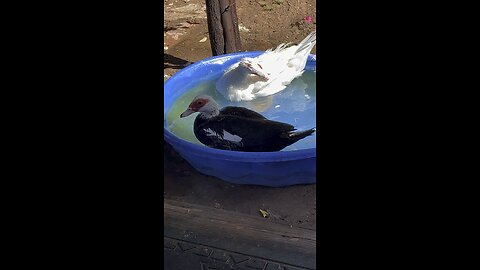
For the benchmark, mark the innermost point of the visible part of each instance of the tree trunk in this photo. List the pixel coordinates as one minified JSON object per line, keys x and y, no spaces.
{"x":233,"y":6}
{"x":223,"y":26}
{"x":215,"y":30}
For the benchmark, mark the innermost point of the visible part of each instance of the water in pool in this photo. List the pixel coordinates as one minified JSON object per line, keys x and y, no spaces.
{"x":294,"y":105}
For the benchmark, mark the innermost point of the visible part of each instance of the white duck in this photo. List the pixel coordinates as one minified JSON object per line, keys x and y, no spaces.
{"x":266,"y":74}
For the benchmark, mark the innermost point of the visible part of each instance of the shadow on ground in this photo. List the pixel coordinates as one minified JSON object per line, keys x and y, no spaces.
{"x":170,"y":61}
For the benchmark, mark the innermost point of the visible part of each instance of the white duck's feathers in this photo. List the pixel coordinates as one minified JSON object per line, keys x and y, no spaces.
{"x":266,"y":74}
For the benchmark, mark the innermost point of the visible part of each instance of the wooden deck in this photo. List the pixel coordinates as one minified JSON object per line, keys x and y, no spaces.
{"x":201,"y":237}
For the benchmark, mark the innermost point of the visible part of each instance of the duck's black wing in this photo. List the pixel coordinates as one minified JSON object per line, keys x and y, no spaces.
{"x":242,"y":112}
{"x":230,"y":132}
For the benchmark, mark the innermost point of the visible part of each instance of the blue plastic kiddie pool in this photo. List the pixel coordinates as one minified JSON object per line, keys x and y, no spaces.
{"x":274,"y":169}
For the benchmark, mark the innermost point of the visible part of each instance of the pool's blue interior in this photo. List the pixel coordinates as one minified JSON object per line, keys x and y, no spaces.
{"x":207,"y":70}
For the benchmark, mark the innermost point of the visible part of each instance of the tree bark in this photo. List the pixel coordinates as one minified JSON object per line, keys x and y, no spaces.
{"x":223,"y":26}
{"x":238,"y":45}
{"x":215,"y":30}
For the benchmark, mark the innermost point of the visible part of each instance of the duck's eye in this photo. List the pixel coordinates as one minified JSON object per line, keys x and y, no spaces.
{"x":199,"y":102}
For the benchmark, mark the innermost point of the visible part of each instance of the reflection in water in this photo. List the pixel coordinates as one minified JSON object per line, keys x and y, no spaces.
{"x":259,"y":104}
{"x":292,"y":98}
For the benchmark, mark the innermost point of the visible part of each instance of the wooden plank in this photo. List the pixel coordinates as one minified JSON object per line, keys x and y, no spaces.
{"x":240,"y":233}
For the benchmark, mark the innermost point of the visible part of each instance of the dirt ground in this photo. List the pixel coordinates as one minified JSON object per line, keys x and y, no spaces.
{"x":263,"y":25}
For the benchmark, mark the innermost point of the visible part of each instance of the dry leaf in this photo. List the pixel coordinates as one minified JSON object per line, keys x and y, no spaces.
{"x":203,"y":39}
{"x":264,"y":213}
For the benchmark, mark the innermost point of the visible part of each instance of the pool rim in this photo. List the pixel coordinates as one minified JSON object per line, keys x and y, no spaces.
{"x":202,"y":150}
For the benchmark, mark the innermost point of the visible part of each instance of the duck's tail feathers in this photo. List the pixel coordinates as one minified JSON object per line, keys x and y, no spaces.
{"x":307,"y":43}
{"x":279,"y":48}
{"x":296,"y":136}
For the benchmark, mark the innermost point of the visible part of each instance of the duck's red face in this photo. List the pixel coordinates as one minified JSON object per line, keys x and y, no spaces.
{"x":195,"y":106}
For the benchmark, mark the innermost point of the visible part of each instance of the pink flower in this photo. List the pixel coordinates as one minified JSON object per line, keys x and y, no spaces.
{"x":308,"y":19}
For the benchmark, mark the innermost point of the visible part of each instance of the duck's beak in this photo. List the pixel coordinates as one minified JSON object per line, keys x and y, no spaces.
{"x":187,"y":113}
{"x":260,"y":74}
{"x":257,"y":72}
{"x":263,"y":77}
